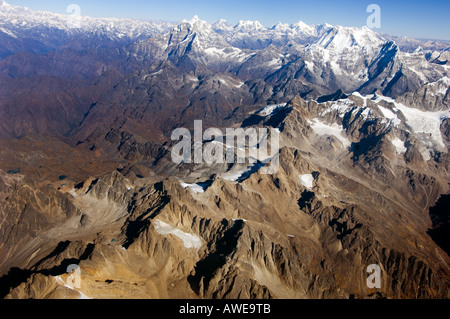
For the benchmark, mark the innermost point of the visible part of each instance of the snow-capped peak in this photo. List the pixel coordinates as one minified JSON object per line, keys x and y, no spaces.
{"x":339,"y":38}
{"x":301,"y":24}
{"x":303,"y":27}
{"x":199,"y":25}
{"x":222,"y":25}
{"x":324,"y":26}
{"x":26,"y":23}
{"x":281,"y":27}
{"x":247,"y":25}
{"x":6,"y":7}
{"x":195,"y":19}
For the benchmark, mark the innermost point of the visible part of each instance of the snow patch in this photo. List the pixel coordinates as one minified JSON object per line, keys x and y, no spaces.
{"x":233,"y":176}
{"x":309,"y":65}
{"x":249,"y":25}
{"x":275,"y":63}
{"x":426,"y":155}
{"x":399,"y":145}
{"x":196,"y":188}
{"x":427,"y":123}
{"x":189,"y":240}
{"x":156,"y":73}
{"x":239,"y":85}
{"x":270,"y":109}
{"x":307,"y":180}
{"x":227,"y":53}
{"x":37,"y":22}
{"x":336,"y":130}
{"x":341,"y":106}
{"x":443,"y":85}
{"x":8,"y":32}
{"x":390,"y":115}
{"x":242,"y":174}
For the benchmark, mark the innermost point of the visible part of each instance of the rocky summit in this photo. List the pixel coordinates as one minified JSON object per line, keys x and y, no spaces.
{"x":92,"y":204}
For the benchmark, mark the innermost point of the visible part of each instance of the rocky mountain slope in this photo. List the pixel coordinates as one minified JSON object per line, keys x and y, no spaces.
{"x":22,"y":29}
{"x":268,"y":236}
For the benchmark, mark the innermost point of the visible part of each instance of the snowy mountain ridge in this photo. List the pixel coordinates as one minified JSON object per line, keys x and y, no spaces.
{"x":328,"y":57}
{"x":21,"y":21}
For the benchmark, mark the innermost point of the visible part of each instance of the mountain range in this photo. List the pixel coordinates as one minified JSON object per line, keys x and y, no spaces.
{"x":88,"y":106}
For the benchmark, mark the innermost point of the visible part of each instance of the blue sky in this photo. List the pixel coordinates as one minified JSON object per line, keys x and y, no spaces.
{"x":419,"y":19}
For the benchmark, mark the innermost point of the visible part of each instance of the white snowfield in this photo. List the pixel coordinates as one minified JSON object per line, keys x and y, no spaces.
{"x":341,"y":106}
{"x":420,"y":122}
{"x":399,"y":145}
{"x":426,"y":125}
{"x":443,"y":85}
{"x":189,"y":240}
{"x":245,"y":25}
{"x":307,"y":180}
{"x":74,"y":22}
{"x":196,"y":188}
{"x":425,"y":122}
{"x":338,"y":48}
{"x":234,"y":175}
{"x":343,"y":38}
{"x":388,"y":114}
{"x":336,"y":130}
{"x":270,"y":109}
{"x":227,"y":53}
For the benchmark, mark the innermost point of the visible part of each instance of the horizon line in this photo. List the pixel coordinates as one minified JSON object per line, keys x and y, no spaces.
{"x":233,"y":25}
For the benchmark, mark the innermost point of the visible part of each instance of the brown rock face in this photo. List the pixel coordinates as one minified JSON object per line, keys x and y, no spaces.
{"x":268,"y":236}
